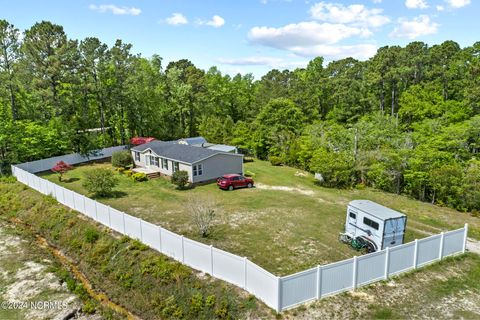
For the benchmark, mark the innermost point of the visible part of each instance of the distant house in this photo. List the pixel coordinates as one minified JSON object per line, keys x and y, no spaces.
{"x":202,"y":142}
{"x":201,"y":163}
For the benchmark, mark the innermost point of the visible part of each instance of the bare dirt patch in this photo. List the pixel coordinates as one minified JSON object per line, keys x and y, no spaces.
{"x":29,"y":282}
{"x":305,"y":192}
{"x":473,"y":245}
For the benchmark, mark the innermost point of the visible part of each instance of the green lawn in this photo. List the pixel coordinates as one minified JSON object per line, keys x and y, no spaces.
{"x":283,"y":231}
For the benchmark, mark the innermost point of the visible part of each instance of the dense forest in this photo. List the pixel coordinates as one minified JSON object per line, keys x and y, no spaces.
{"x":405,"y":121}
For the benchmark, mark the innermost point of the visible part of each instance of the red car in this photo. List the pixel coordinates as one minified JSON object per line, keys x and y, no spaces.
{"x":232,"y":181}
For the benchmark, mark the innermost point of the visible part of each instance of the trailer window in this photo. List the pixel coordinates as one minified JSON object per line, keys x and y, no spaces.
{"x":371,"y":223}
{"x":352,"y":215}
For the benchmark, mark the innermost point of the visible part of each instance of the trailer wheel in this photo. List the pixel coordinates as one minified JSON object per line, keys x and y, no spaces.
{"x":370,"y":247}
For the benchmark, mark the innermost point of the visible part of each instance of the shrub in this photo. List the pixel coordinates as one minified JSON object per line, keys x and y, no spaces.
{"x":128,"y":173}
{"x":88,"y":307}
{"x":122,"y":159}
{"x":61,"y":168}
{"x":196,"y":303}
{"x":139,"y":177}
{"x":120,"y":169}
{"x":275,"y":161}
{"x":91,"y":235}
{"x":100,"y":181}
{"x":203,"y":211}
{"x":180,"y":178}
{"x":210,"y":301}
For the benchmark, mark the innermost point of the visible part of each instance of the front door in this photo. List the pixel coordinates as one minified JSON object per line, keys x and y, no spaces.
{"x":147,"y":160}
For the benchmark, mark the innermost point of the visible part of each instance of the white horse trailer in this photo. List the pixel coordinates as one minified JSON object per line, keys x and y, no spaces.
{"x":381,"y":225}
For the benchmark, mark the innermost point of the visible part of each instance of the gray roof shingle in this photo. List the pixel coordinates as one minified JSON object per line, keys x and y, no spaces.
{"x":193,"y":140}
{"x":180,"y":152}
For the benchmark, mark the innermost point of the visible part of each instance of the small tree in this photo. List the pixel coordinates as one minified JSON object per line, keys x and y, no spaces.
{"x":61,"y":168}
{"x":180,"y":178}
{"x":100,"y":181}
{"x":122,"y":159}
{"x":202,"y":211}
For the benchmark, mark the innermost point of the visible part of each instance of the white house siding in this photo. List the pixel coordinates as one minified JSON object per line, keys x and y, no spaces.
{"x":188,"y":168}
{"x":140,"y":163}
{"x":168,"y":172}
{"x":218,"y":165}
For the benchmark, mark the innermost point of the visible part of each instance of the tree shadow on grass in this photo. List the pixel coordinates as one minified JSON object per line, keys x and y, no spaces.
{"x":113,"y":194}
{"x":70,"y":180}
{"x":187,"y":187}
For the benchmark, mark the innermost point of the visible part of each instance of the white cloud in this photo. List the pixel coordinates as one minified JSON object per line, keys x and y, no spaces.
{"x":115,"y":9}
{"x":416,"y":4}
{"x":355,"y":14}
{"x":458,"y":3}
{"x":250,"y":61}
{"x":310,"y":39}
{"x":377,"y":1}
{"x":216,"y":21}
{"x":411,"y":29}
{"x":304,"y":34}
{"x":335,"y":52}
{"x":272,"y":62}
{"x":176,"y":19}
{"x":440,"y":8}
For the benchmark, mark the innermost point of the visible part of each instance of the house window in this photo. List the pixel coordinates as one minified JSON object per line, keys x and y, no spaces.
{"x":175,"y":166}
{"x":156,"y":161}
{"x":137,"y":156}
{"x":197,"y":170}
{"x":164,"y":164}
{"x":371,"y":223}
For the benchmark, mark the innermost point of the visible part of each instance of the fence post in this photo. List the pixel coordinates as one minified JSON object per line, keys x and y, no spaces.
{"x":109,"y":218}
{"x":319,"y":282}
{"x":96,"y":213}
{"x":183,"y":251}
{"x":465,"y":238}
{"x":160,"y":237}
{"x":141,"y":230}
{"x":84,"y":204}
{"x":245,"y":275}
{"x":415,"y":255}
{"x":279,"y":294}
{"x":74,"y":202}
{"x":354,"y":282}
{"x":387,"y":261}
{"x":440,"y":249}
{"x":211,"y":260}
{"x":123,"y":219}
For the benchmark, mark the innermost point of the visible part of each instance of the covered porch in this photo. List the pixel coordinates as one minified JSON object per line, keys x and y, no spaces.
{"x":150,"y":172}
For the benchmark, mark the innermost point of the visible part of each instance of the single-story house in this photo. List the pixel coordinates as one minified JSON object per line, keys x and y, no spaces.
{"x":202,"y":164}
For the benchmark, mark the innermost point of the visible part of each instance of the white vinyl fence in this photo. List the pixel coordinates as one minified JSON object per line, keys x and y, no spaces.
{"x":279,"y":293}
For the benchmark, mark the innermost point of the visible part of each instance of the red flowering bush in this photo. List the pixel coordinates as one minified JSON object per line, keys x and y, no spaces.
{"x":140,"y":140}
{"x":61,"y":168}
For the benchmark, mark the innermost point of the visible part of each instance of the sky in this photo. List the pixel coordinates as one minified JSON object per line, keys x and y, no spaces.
{"x":254,"y":36}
